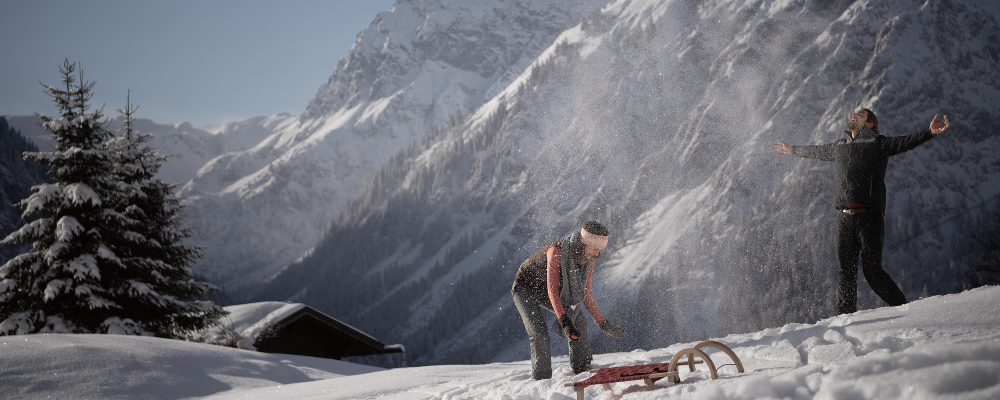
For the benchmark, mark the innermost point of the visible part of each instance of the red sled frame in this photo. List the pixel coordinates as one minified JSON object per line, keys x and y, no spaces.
{"x":651,"y":373}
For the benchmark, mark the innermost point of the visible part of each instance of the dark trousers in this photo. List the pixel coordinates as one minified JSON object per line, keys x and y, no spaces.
{"x":863,"y":233}
{"x":538,"y":333}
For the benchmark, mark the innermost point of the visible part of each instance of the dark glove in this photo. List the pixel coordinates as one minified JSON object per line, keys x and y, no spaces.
{"x":557,"y":328}
{"x":568,"y":329}
{"x":612,"y":329}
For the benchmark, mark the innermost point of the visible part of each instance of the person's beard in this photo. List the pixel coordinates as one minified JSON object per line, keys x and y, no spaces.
{"x":854,"y":125}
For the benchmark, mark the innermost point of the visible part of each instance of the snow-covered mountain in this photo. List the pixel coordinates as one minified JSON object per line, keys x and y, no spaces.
{"x":457,"y":137}
{"x":655,"y":117}
{"x":416,"y":68}
{"x":187,"y":147}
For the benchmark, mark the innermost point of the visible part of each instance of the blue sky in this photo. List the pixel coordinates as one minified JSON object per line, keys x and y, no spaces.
{"x":198,"y":61}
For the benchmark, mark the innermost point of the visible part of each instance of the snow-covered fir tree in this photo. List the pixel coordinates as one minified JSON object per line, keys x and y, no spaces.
{"x":159,"y":292}
{"x":104,"y":258}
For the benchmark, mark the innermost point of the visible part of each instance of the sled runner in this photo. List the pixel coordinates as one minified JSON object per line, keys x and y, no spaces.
{"x":650,"y":373}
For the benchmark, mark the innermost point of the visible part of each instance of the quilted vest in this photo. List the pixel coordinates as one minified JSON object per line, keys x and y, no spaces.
{"x":532,"y":274}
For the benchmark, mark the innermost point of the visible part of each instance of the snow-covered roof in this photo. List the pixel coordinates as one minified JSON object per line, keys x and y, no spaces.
{"x":250,"y":320}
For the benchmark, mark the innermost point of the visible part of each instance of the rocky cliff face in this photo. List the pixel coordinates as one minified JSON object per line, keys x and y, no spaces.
{"x":655,"y":117}
{"x":417,"y":68}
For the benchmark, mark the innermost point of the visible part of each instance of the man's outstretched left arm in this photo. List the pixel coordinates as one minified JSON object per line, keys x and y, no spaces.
{"x":895,"y":145}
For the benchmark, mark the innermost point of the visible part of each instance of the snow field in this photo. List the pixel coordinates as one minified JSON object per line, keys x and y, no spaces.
{"x":129,"y":367}
{"x":943,"y":347}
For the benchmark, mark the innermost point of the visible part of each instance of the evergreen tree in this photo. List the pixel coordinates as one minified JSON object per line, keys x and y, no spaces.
{"x":155,"y":289}
{"x":91,"y":267}
{"x":56,"y":286}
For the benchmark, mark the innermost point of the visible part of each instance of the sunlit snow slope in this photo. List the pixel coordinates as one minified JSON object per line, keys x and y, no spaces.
{"x":943,"y":347}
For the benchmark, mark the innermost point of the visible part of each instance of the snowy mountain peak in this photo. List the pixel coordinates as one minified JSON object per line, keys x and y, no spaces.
{"x":416,"y":69}
{"x":423,"y":43}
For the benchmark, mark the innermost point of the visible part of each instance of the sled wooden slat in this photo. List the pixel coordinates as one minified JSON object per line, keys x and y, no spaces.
{"x":650,"y":373}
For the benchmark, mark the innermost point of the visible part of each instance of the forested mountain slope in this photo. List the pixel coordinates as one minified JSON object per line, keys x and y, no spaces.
{"x":17,"y":176}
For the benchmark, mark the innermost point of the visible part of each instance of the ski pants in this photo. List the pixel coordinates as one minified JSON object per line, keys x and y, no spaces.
{"x":538,"y":333}
{"x":863,"y":233}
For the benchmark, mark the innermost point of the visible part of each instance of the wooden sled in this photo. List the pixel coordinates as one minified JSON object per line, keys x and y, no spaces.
{"x":650,"y":373}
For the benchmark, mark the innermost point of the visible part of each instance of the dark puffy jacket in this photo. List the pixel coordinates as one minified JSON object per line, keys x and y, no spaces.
{"x":860,"y":163}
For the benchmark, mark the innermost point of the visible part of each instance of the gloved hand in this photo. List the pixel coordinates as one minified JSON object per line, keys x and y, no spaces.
{"x":611,"y":329}
{"x":568,"y":329}
{"x":557,"y":328}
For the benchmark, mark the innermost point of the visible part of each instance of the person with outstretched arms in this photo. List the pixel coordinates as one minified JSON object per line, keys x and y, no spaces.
{"x":860,"y":160}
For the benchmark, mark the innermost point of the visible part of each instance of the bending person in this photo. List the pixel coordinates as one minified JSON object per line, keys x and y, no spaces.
{"x":558,"y":278}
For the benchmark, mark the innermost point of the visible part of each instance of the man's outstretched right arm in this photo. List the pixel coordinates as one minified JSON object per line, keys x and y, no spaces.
{"x":821,"y":152}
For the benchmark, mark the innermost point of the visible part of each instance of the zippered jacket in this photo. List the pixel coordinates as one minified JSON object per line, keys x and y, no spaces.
{"x":860,"y":163}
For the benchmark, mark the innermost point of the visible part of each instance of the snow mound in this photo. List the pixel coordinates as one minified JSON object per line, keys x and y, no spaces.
{"x":112,"y":366}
